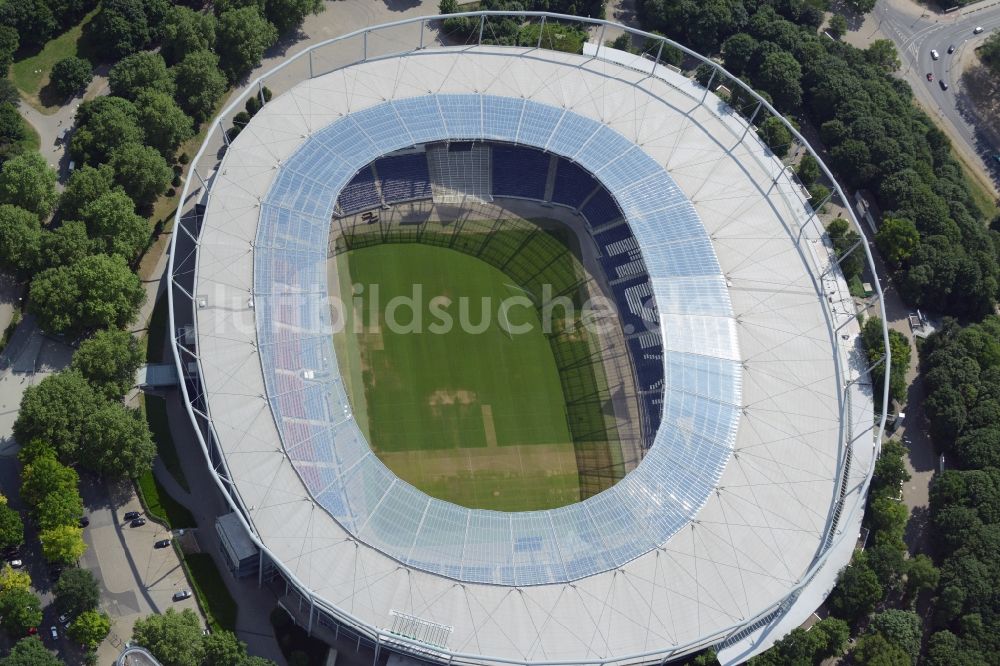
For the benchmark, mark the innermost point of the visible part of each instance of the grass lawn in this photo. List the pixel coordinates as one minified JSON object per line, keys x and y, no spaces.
{"x":211,"y":591}
{"x":160,"y":505}
{"x":156,"y":416}
{"x":477,"y":418}
{"x":31,"y":74}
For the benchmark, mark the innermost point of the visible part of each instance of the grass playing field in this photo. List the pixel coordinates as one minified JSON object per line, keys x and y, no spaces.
{"x":476,"y":418}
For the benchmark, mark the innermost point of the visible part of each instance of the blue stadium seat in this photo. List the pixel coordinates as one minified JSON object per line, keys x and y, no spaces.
{"x":404,"y":178}
{"x":359,"y":194}
{"x":572,"y":185}
{"x":519,"y":172}
{"x":601,"y":209}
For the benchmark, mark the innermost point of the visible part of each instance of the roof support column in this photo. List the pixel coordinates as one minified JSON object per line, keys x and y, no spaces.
{"x":750,"y":120}
{"x":541,"y":31}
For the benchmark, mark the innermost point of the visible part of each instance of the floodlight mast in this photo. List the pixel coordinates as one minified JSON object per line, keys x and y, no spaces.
{"x":204,"y":426}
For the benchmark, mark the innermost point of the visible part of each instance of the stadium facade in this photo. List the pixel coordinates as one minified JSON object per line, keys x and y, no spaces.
{"x":742,"y":334}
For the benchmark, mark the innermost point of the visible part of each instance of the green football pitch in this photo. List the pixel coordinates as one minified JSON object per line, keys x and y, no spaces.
{"x":475,"y":417}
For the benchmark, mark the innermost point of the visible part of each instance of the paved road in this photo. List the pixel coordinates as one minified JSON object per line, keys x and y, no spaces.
{"x":915,"y":31}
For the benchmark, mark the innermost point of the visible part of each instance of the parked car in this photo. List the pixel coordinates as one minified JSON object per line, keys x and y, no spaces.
{"x":935,"y":55}
{"x":944,"y":86}
{"x":84,"y":521}
{"x":162,"y":543}
{"x":978,"y":30}
{"x":930,"y":77}
{"x":54,"y":632}
{"x":137,"y":522}
{"x":131,"y":515}
{"x":182,"y":595}
{"x":64,"y":619}
{"x":32,"y":631}
{"x":16,"y":564}
{"x":951,"y":49}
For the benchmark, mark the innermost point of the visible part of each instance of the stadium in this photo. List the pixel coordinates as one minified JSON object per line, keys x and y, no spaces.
{"x":690,"y":473}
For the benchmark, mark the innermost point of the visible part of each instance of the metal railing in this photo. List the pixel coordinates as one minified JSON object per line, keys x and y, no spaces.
{"x":353,"y":52}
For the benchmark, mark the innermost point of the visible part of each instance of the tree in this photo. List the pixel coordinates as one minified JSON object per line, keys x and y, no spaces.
{"x":861,"y":6}
{"x":242,"y":37}
{"x":76,"y":591}
{"x":858,"y":590}
{"x":20,"y":239}
{"x":900,"y":628}
{"x":13,"y":135}
{"x":899,"y":354}
{"x":11,"y":526}
{"x":125,"y":26}
{"x":173,"y":638}
{"x":141,"y":171}
{"x":890,"y":469}
{"x":289,"y":14}
{"x":32,"y":19}
{"x":85,"y":184}
{"x":46,"y":475}
{"x":845,"y":240}
{"x":989,"y":53}
{"x":200,"y":83}
{"x":882,"y":53}
{"x":103,"y":125}
{"x":222,"y":648}
{"x":117,"y":442}
{"x":109,"y":361}
{"x":165,"y":124}
{"x":71,"y":75}
{"x":27,"y":181}
{"x":97,"y":292}
{"x":186,"y":31}
{"x":780,"y":75}
{"x":808,"y":170}
{"x":896,"y":239}
{"x":30,"y":651}
{"x":112,"y":221}
{"x":90,"y":628}
{"x":140,"y":71}
{"x":9,"y":43}
{"x":838,"y":26}
{"x":875,"y":650}
{"x":19,"y":610}
{"x":54,"y":411}
{"x":777,"y":137}
{"x":59,"y":507}
{"x":14,"y":579}
{"x":66,"y":244}
{"x":737,"y":52}
{"x":63,"y":544}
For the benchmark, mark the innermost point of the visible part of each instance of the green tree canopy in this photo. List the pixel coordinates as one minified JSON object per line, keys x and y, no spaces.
{"x":173,"y":638}
{"x":858,"y":590}
{"x":90,"y":628}
{"x":289,"y":14}
{"x":54,"y":411}
{"x":85,"y":185}
{"x":838,"y":25}
{"x":27,"y":181}
{"x":901,"y":628}
{"x":59,"y":507}
{"x":76,"y":591}
{"x":200,"y":83}
{"x":71,"y":75}
{"x":97,"y":292}
{"x":186,"y":31}
{"x":13,"y":128}
{"x":165,"y":124}
{"x":47,"y":475}
{"x":11,"y":526}
{"x":20,"y":239}
{"x":9,"y":42}
{"x":19,"y":610}
{"x":62,"y":544}
{"x":875,"y":650}
{"x":109,"y":361}
{"x":780,"y":75}
{"x":896,"y":239}
{"x":112,"y":221}
{"x":141,"y":171}
{"x":117,"y":442}
{"x":30,"y":651}
{"x":777,"y":137}
{"x":242,"y":37}
{"x":899,"y":354}
{"x":882,"y":53}
{"x":66,"y":244}
{"x":222,"y":648}
{"x":140,"y":71}
{"x":14,"y":579}
{"x":102,"y":125}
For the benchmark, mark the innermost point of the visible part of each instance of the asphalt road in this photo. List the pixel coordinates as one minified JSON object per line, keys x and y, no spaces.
{"x":916,"y":31}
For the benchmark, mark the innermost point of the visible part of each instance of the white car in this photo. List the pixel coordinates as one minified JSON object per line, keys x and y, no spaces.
{"x":978,"y":30}
{"x":934,"y":54}
{"x":55,"y":632}
{"x":64,"y":619}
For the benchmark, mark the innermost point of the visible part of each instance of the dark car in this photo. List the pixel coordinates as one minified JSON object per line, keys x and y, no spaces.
{"x":162,"y":543}
{"x":944,"y":86}
{"x":182,"y":595}
{"x":138,"y":522}
{"x":951,"y":49}
{"x":930,"y":77}
{"x":131,"y":515}
{"x":84,"y":521}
